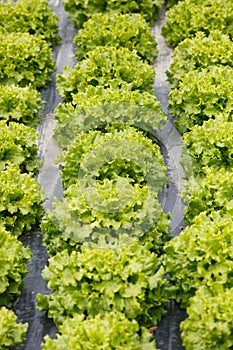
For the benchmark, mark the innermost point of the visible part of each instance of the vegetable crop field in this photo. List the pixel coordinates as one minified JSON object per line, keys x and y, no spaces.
{"x":116,"y":174}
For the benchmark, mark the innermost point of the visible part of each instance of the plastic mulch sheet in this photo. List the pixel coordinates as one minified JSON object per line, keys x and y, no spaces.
{"x":167,"y":335}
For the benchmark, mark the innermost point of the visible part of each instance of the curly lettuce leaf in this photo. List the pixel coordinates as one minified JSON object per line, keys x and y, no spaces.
{"x":170,"y":3}
{"x":188,"y":17}
{"x":126,"y":153}
{"x":127,"y":278}
{"x":201,"y":256}
{"x":111,"y":331}
{"x":18,"y":146}
{"x":107,"y":67}
{"x":20,"y":200}
{"x":105,"y":212}
{"x":80,"y":11}
{"x":13,"y":267}
{"x":28,"y":61}
{"x":12,"y":333}
{"x":209,"y":324}
{"x":20,"y":104}
{"x":198,"y":52}
{"x":210,"y":145}
{"x":122,"y":30}
{"x":214,"y":192}
{"x":202,"y":95}
{"x":29,"y":16}
{"x":97,"y":108}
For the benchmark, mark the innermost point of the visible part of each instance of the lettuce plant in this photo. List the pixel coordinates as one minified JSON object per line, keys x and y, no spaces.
{"x":25,"y":59}
{"x":109,"y":68}
{"x":127,"y":278}
{"x":79,"y":11}
{"x":13,"y":261}
{"x":201,"y":255}
{"x":102,"y":214}
{"x":11,"y":332}
{"x":209,"y":325}
{"x":20,"y":104}
{"x":112,"y":181}
{"x":124,"y":30}
{"x":20,"y":200}
{"x":126,"y":153}
{"x":202,"y":95}
{"x":200,"y":52}
{"x":29,"y":16}
{"x":210,"y":193}
{"x":98,"y":107}
{"x":18,"y":146}
{"x":210,"y":145}
{"x":112,"y":331}
{"x":190,"y":16}
{"x":170,"y":3}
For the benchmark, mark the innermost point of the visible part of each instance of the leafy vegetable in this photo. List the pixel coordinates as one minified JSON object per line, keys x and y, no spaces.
{"x":31,"y":16}
{"x":113,"y":179}
{"x":113,"y":331}
{"x":125,"y":153}
{"x":11,"y":333}
{"x":20,"y":104}
{"x":128,"y":30}
{"x":211,"y":193}
{"x":127,"y":278}
{"x":79,"y":11}
{"x":209,"y":325}
{"x":20,"y":200}
{"x":125,"y":210}
{"x":97,"y":107}
{"x":170,"y":3}
{"x":199,"y":52}
{"x":201,"y":256}
{"x":109,"y":68}
{"x":13,"y":259}
{"x":188,"y":17}
{"x":25,"y":59}
{"x":210,"y":144}
{"x":202,"y":95}
{"x":18,"y":146}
